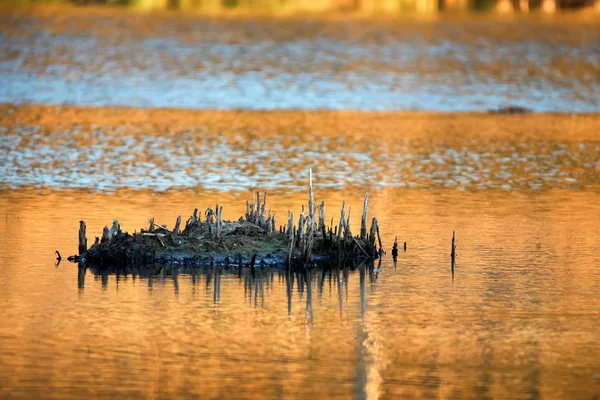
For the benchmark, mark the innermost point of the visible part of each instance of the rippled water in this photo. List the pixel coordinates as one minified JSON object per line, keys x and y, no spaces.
{"x":111,"y":149}
{"x":170,"y":60}
{"x":519,"y":320}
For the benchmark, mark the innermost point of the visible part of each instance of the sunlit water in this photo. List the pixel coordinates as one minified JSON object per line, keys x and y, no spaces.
{"x":104,"y":149}
{"x":172,"y":60}
{"x":519,"y":319}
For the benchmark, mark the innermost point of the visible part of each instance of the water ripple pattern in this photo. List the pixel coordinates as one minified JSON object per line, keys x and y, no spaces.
{"x":231,"y":150}
{"x":170,"y":60}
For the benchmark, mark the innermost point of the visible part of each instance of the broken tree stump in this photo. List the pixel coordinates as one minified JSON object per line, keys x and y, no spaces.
{"x":82,"y":238}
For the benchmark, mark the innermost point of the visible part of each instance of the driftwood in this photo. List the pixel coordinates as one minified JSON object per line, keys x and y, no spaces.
{"x":252,"y":240}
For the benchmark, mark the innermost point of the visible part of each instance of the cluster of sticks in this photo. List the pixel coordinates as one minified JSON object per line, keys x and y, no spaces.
{"x":107,"y":234}
{"x":255,"y":213}
{"x":302,"y":237}
{"x":213,"y":218}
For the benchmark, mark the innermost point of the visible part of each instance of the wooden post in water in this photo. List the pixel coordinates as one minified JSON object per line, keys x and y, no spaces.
{"x":82,"y":238}
{"x":363,"y":221}
{"x":453,"y":253}
{"x":291,"y":231}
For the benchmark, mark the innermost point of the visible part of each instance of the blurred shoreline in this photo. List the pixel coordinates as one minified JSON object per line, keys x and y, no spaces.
{"x":589,"y":14}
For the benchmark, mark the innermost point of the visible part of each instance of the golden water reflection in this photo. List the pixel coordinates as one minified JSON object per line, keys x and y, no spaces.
{"x":519,"y":319}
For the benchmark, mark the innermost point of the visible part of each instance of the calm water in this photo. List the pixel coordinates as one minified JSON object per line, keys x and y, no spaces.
{"x":170,"y":60}
{"x":519,"y":320}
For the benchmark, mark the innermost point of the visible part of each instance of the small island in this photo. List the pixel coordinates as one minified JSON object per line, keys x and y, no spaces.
{"x":253,"y":240}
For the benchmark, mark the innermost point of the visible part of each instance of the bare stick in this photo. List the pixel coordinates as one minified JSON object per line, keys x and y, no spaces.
{"x":347,"y":231}
{"x":257,"y":207}
{"x":219,"y":222}
{"x":363,"y":221}
{"x":342,"y":220}
{"x":309,"y":238}
{"x":291,"y":231}
{"x":372,"y":231}
{"x":264,"y":206}
{"x":321,"y":225}
{"x":159,"y":235}
{"x":151,"y":227}
{"x":82,"y":237}
{"x":177,"y":223}
{"x":381,"y":251}
{"x":311,"y":200}
{"x":301,"y":221}
{"x":164,"y":227}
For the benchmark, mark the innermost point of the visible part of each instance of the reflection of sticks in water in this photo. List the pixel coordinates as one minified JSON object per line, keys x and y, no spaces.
{"x":309,"y":307}
{"x":340,"y":291}
{"x":289,"y":286}
{"x":81,"y":275}
{"x":346,"y":278}
{"x":104,"y":280}
{"x":363,"y":298}
{"x":217,"y":285}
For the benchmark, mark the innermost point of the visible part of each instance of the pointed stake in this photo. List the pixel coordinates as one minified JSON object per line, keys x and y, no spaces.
{"x":453,"y":253}
{"x":363,"y":221}
{"x":342,"y":220}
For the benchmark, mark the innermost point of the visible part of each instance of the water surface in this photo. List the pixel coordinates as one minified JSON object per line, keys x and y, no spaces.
{"x":519,"y":319}
{"x":66,"y":56}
